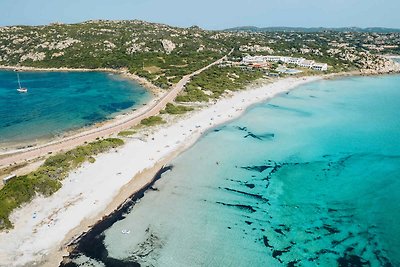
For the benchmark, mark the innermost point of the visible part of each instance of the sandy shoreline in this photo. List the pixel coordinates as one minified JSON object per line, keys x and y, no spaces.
{"x":46,"y":225}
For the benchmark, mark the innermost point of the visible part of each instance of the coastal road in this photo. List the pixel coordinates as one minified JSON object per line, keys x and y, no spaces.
{"x":107,"y":129}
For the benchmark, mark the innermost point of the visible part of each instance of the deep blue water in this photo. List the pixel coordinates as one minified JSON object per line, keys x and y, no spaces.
{"x":310,"y":178}
{"x":60,"y":101}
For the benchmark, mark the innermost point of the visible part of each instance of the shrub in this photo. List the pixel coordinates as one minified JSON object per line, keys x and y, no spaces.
{"x":174,"y":110}
{"x":152,"y":120}
{"x":126,"y":133}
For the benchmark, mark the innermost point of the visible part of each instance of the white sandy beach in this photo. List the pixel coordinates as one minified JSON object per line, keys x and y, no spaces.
{"x":47,"y":224}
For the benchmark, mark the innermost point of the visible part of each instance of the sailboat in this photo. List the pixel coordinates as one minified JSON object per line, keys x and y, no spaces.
{"x":21,"y":89}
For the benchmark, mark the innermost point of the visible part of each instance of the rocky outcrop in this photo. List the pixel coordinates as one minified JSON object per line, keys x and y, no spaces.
{"x":380,"y":65}
{"x":168,"y":45}
{"x":135,"y":47}
{"x":58,"y":45}
{"x":39,"y":56}
{"x":109,"y":46}
{"x":59,"y":54}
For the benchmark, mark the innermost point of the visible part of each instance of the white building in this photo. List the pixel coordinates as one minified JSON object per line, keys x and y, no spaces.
{"x":272,"y":58}
{"x":295,"y":60}
{"x":301,"y":62}
{"x":320,"y":66}
{"x":306,"y":63}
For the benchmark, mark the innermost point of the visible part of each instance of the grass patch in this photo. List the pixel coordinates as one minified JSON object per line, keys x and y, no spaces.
{"x":153,"y":69}
{"x":152,"y":120}
{"x":217,"y":80}
{"x":192,"y":95}
{"x":46,"y":179}
{"x":175,"y":109}
{"x":126,"y":133}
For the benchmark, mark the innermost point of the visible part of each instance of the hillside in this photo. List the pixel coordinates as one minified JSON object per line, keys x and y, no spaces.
{"x":155,"y":51}
{"x":163,"y":54}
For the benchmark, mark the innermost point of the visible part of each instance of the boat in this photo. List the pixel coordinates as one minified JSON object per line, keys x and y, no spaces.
{"x":125,"y":232}
{"x":21,"y":89}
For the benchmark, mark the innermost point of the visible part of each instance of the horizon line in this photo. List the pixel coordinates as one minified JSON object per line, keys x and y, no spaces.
{"x":205,"y":28}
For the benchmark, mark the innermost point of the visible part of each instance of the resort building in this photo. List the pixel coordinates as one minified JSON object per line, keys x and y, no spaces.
{"x":256,"y":62}
{"x":320,"y":66}
{"x":294,"y":60}
{"x":272,"y":58}
{"x":301,"y":62}
{"x":306,"y":63}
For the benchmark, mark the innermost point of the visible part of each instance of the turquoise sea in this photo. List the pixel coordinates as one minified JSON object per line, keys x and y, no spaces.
{"x":310,"y":178}
{"x":61,"y":101}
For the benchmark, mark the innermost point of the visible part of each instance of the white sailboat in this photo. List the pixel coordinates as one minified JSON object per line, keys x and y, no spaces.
{"x":21,"y":89}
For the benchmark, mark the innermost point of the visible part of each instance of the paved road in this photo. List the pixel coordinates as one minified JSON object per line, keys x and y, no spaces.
{"x":106,"y":130}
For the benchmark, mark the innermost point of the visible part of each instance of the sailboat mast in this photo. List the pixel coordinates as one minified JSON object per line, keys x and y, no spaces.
{"x":19,"y":83}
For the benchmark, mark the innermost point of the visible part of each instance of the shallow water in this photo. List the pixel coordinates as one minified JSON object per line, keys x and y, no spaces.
{"x":310,"y":178}
{"x":60,"y":101}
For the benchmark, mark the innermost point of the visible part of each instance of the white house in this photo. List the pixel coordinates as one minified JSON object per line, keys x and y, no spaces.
{"x":320,"y":66}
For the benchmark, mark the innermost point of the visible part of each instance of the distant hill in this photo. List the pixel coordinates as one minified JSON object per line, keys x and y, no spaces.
{"x":315,"y":29}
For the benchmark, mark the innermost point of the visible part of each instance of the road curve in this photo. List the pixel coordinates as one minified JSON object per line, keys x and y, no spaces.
{"x":102,"y":131}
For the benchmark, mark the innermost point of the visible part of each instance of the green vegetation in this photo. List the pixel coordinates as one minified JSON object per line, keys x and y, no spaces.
{"x":152,"y":121}
{"x":215,"y":81}
{"x":46,"y":179}
{"x":126,"y":133}
{"x":171,"y":67}
{"x":175,"y":109}
{"x":192,"y":95}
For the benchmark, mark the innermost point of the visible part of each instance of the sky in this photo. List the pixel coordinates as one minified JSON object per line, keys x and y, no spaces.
{"x":208,"y":14}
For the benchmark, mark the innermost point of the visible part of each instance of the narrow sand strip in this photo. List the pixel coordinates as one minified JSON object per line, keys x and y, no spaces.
{"x":47,"y":224}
